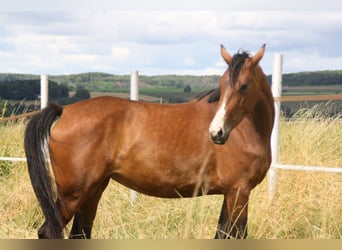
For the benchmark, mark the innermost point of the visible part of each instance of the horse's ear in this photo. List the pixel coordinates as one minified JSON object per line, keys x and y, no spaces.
{"x":225,"y":55}
{"x":257,"y":57}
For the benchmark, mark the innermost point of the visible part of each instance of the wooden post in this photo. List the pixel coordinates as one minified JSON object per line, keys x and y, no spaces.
{"x":276,"y":91}
{"x":44,"y":90}
{"x":134,"y":96}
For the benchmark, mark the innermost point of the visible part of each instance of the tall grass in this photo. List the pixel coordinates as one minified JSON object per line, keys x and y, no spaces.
{"x":307,"y":205}
{"x":19,"y":208}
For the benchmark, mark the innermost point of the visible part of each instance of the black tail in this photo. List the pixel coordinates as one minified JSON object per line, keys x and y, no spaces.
{"x":36,"y":137}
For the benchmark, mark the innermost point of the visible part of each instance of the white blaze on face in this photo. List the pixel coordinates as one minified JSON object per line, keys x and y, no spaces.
{"x":217,"y":123}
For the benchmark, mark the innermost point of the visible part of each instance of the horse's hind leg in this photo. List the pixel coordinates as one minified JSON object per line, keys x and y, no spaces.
{"x":85,"y":215}
{"x":233,"y":217}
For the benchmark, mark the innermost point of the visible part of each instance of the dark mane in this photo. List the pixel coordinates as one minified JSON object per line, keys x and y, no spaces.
{"x":214,"y":95}
{"x":237,"y":62}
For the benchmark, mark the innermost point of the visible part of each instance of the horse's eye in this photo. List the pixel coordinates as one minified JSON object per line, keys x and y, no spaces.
{"x":244,"y":87}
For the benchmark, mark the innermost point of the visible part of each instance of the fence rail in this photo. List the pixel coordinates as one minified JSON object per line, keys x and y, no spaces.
{"x":12,"y":158}
{"x":335,"y":170}
{"x":15,"y":117}
{"x":308,"y":98}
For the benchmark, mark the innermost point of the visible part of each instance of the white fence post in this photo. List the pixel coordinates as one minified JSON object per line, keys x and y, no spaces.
{"x":44,"y":90}
{"x":276,"y":91}
{"x":134,"y":90}
{"x":134,"y":96}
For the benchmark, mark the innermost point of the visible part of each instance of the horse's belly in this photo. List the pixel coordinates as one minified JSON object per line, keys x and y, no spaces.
{"x":168,"y":185}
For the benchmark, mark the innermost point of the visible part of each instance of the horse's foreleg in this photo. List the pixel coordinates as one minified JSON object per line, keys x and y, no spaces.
{"x":233,"y":217}
{"x":84,"y":217}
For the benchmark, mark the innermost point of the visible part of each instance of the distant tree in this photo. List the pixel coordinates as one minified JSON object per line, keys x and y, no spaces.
{"x":57,"y":91}
{"x":82,"y":93}
{"x":187,"y":89}
{"x":64,"y":92}
{"x":30,"y":90}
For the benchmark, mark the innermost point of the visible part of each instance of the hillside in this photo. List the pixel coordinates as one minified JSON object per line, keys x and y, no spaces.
{"x":313,"y":78}
{"x":103,"y":82}
{"x":328,"y":77}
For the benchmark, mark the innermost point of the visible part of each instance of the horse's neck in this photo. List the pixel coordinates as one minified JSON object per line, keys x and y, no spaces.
{"x":263,"y":114}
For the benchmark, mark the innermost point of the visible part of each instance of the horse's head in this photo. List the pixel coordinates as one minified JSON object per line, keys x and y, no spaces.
{"x":238,"y":92}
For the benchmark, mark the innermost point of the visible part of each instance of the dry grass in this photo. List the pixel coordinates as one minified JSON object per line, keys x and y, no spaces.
{"x":307,"y":205}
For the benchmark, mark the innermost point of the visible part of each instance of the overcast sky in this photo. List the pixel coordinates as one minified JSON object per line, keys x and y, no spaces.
{"x":66,"y":37}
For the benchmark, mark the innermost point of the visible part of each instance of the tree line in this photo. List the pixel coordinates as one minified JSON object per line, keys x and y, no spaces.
{"x":21,"y":90}
{"x":328,"y":77}
{"x":30,"y":90}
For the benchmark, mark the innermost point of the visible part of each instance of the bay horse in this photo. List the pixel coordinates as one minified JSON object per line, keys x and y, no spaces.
{"x":162,"y":150}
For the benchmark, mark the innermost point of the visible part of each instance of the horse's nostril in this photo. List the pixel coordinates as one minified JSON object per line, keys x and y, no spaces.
{"x":220,"y":133}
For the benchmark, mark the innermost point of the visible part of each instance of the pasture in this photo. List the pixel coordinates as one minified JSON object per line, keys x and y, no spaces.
{"x":307,"y":205}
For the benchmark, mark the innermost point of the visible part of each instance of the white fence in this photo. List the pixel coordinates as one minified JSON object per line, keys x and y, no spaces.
{"x":275,"y":166}
{"x":134,"y":96}
{"x":44,"y":91}
{"x":276,"y":90}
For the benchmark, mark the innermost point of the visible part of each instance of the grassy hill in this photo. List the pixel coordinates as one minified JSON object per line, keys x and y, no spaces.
{"x":103,"y":82}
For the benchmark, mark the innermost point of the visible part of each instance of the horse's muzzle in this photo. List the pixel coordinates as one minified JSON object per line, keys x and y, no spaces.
{"x":219,"y":137}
